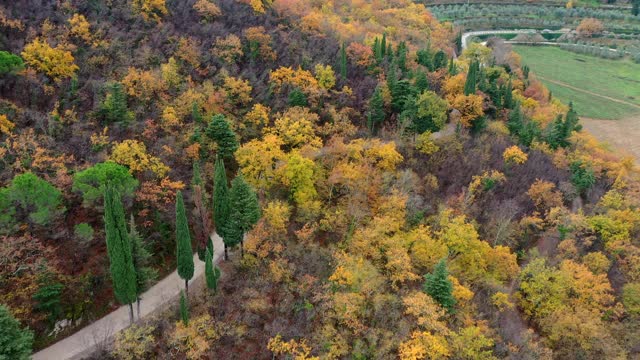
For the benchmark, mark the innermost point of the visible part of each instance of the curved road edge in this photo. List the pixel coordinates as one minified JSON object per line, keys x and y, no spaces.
{"x":94,"y":336}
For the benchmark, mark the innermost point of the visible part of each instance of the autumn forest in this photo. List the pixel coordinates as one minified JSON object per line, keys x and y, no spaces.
{"x":328,"y":179}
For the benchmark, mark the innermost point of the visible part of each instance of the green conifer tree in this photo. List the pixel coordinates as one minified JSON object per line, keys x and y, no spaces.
{"x":508,"y":96}
{"x":424,"y":57}
{"x":220,"y":131}
{"x":184,"y":252}
{"x":297,"y":98}
{"x":377,"y":53}
{"x":453,"y":69}
{"x":141,"y":262}
{"x":221,"y":202}
{"x":196,"y":114}
{"x":401,"y":56}
{"x":439,"y":60}
{"x":439,"y":287}
{"x":114,"y":107}
{"x":245,"y":211}
{"x":184,"y":308}
{"x":376,"y":110}
{"x":211,"y":272}
{"x":422,"y":83}
{"x":470,"y":83}
{"x":458,"y":42}
{"x":343,"y":61}
{"x":15,"y":342}
{"x":123,"y":274}
{"x":383,"y":45}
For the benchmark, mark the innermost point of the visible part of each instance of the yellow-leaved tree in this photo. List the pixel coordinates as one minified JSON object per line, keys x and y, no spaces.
{"x":57,"y":63}
{"x":133,"y":154}
{"x":150,"y":10}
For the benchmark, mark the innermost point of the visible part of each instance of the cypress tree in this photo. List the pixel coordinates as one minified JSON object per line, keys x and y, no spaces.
{"x":496,"y":94}
{"x":211,"y":272}
{"x":515,"y":122}
{"x":458,"y":42}
{"x":439,"y":287}
{"x":221,"y":202}
{"x":376,"y":110}
{"x":635,"y":7}
{"x":184,"y":253}
{"x":141,"y":262}
{"x":508,"y":96}
{"x":383,"y":45}
{"x":376,"y":50}
{"x":343,"y":61}
{"x":470,"y":83}
{"x":401,"y":56}
{"x":245,"y":212}
{"x":220,"y":131}
{"x":123,"y":274}
{"x":184,"y":309}
{"x":453,"y":69}
{"x":196,"y":115}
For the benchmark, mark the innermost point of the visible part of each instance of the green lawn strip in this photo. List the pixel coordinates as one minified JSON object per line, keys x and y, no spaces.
{"x":591,"y":106}
{"x":618,"y":79}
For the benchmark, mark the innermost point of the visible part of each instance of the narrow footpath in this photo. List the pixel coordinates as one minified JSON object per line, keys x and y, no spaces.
{"x":89,"y":339}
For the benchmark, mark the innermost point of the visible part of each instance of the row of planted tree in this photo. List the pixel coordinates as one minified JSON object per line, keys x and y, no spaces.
{"x":235,"y":210}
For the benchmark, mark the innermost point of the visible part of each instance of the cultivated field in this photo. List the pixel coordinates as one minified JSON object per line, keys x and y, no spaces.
{"x":599,"y":88}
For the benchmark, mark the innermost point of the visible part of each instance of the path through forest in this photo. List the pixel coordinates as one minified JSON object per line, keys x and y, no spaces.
{"x":96,"y":335}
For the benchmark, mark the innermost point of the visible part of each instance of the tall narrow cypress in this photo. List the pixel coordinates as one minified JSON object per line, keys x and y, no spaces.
{"x":221,"y":202}
{"x":507,"y":101}
{"x":383,"y":45}
{"x":184,"y":253}
{"x":343,"y":61}
{"x":211,"y":272}
{"x":376,"y":110}
{"x":401,"y":56}
{"x":123,"y":274}
{"x":470,"y":84}
{"x":141,"y":262}
{"x":453,"y":70}
{"x":184,"y":309}
{"x":376,"y":50}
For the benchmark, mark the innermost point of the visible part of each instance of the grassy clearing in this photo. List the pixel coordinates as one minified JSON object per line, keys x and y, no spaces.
{"x":617,"y":79}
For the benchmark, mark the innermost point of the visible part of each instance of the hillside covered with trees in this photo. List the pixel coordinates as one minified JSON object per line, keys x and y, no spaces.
{"x":380,"y":192}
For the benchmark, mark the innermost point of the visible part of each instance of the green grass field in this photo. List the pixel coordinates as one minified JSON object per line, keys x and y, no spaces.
{"x":617,"y":79}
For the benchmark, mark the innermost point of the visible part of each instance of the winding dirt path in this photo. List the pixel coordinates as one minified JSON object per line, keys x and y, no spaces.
{"x":96,"y":335}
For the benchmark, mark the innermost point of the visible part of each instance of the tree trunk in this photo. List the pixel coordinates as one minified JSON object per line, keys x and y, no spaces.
{"x":242,"y":248}
{"x":226,"y":257}
{"x":138,"y":305}
{"x":186,"y":286}
{"x":131,"y":313}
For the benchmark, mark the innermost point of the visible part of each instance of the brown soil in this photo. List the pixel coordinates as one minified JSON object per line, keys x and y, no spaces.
{"x":623,"y":136}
